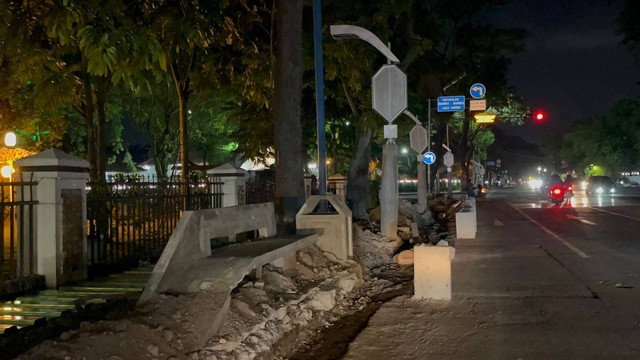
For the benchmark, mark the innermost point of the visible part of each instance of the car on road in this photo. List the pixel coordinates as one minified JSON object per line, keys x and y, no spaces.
{"x":600,"y":185}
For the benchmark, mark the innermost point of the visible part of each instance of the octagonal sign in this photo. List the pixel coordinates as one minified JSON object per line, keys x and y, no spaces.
{"x":447,"y":159}
{"x":418,"y":138}
{"x":389,"y":87}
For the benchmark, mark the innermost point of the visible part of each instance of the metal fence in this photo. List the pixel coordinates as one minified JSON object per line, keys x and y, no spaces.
{"x":260,"y":186}
{"x":131,"y":219}
{"x":16,"y":258}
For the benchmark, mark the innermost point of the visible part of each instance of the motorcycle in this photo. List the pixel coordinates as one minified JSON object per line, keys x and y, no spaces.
{"x":568,"y":190}
{"x":557,"y":194}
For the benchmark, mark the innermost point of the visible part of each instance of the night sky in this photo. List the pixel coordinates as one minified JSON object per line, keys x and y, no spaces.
{"x":574,"y":65}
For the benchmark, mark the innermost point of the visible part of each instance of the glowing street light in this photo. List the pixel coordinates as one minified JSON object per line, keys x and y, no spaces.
{"x":9,"y":141}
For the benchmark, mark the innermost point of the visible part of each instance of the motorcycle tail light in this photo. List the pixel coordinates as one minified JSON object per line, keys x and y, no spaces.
{"x":556,"y":191}
{"x":570,"y":188}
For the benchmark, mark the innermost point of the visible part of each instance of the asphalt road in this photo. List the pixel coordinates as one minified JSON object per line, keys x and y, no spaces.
{"x":537,"y":282}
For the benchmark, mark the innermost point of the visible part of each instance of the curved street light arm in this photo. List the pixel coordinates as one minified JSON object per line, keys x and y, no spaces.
{"x":349,"y":31}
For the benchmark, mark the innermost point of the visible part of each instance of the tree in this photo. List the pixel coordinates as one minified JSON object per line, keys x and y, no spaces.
{"x":72,"y":53}
{"x":35,"y":129}
{"x":155,"y":110}
{"x":287,"y":112}
{"x":610,"y":141}
{"x":629,"y":25}
{"x":186,"y":31}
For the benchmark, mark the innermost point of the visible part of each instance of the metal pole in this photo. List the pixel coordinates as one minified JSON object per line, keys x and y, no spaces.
{"x":317,"y":49}
{"x":450,"y":182}
{"x":429,"y":149}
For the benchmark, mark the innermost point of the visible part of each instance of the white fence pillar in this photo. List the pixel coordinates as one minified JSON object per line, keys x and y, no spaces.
{"x":60,"y":235}
{"x":234,"y":186}
{"x":338,"y":185}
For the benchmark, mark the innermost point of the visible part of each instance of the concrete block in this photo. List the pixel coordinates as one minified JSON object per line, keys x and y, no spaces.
{"x":432,"y":272}
{"x":466,"y":224}
{"x":334,"y":229}
{"x":286,"y":263}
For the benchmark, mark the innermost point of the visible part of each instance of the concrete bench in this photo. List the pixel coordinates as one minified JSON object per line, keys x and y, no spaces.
{"x":188,"y":264}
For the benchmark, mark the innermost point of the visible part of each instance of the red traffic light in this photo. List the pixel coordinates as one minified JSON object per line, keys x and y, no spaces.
{"x":538,"y":116}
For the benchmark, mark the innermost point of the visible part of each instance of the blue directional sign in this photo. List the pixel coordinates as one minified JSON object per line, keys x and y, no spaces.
{"x":450,"y":103}
{"x":429,"y":158}
{"x":477,"y":91}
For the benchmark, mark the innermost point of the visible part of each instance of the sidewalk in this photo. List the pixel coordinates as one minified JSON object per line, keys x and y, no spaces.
{"x":512,"y":300}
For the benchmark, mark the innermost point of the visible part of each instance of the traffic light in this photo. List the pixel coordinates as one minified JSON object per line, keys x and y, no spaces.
{"x":538,"y":116}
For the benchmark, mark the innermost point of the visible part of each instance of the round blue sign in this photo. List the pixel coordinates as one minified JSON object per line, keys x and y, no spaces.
{"x":429,"y":158}
{"x":477,"y":91}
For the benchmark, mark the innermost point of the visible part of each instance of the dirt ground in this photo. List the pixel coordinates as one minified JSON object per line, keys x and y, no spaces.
{"x":287,"y":314}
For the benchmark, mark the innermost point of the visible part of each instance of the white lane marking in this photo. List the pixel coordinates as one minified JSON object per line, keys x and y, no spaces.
{"x":581,"y":219}
{"x":580,"y":253}
{"x":615,"y":213}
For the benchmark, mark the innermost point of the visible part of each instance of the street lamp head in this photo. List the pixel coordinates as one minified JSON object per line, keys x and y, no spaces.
{"x":6,"y":171}
{"x":10,"y":139}
{"x":350,"y":32}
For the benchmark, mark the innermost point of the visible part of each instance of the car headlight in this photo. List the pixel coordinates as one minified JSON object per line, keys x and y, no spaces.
{"x":612,"y":190}
{"x":599,"y":190}
{"x":583,"y":185}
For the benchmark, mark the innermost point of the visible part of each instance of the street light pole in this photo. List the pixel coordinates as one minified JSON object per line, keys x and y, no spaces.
{"x":319,"y":73}
{"x":388,"y":194}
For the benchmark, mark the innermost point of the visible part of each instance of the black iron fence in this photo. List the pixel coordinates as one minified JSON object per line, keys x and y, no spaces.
{"x":260,"y":186}
{"x":131,"y":219}
{"x":18,"y":209}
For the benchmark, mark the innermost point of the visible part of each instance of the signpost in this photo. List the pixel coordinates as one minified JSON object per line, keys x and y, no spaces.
{"x":478,"y":105}
{"x":429,"y":158}
{"x":447,"y":159}
{"x":389,"y":87}
{"x":477,"y":91}
{"x":418,"y":138}
{"x":451,"y":103}
{"x":485,"y":118}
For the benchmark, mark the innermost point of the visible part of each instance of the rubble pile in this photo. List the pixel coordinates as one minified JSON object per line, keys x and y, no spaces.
{"x":321,"y":290}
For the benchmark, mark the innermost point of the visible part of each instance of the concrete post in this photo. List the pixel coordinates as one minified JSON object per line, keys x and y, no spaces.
{"x":60,"y":235}
{"x":234,"y":185}
{"x":389,"y":191}
{"x":422,"y":186}
{"x":432,"y":271}
{"x":338,"y":183}
{"x":309,"y":187}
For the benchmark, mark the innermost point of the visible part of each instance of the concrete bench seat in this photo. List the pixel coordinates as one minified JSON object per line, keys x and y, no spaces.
{"x":188,"y":264}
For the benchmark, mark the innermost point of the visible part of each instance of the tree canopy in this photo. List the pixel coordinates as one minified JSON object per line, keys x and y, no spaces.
{"x":612,"y":141}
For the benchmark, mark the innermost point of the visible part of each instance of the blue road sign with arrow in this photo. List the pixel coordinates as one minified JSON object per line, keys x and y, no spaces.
{"x":477,"y":91}
{"x":429,"y":158}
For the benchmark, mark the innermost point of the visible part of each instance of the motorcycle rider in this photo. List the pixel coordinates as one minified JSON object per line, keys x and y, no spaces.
{"x":568,"y":185}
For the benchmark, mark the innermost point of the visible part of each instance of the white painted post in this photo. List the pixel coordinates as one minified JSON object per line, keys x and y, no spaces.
{"x":432,"y":271}
{"x":60,"y":234}
{"x":466,"y":220}
{"x":234,"y":186}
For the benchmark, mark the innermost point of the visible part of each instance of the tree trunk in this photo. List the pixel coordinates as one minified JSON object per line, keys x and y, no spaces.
{"x":101,"y":90}
{"x":287,"y":98}
{"x":88,"y":109}
{"x":182,"y":89}
{"x":464,"y":150}
{"x":358,"y":184}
